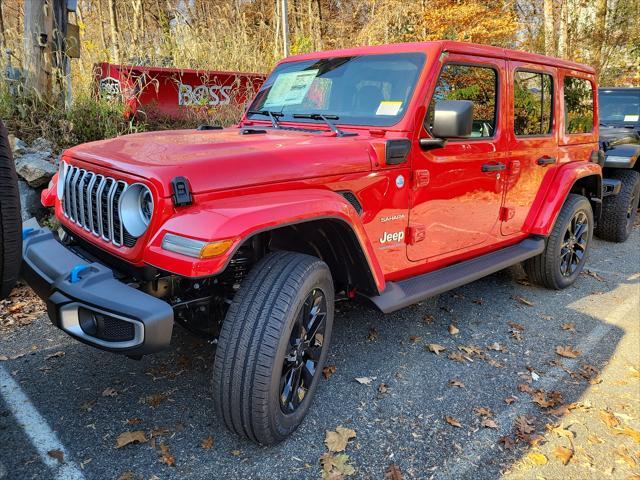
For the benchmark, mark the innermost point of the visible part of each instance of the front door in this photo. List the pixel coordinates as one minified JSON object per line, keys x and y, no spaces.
{"x":457,"y":190}
{"x":532,"y":135}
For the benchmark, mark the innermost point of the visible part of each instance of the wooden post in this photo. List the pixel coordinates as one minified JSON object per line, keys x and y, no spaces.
{"x":38,"y":23}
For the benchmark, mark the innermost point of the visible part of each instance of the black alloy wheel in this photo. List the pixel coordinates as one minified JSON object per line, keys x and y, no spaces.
{"x":574,"y":247}
{"x":300,"y":365}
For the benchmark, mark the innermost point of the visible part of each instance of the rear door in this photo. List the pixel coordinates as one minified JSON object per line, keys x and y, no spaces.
{"x":457,"y":190}
{"x":533,"y":137}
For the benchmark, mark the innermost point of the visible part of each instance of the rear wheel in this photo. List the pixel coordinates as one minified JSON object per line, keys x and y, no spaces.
{"x":273,"y":345}
{"x":567,"y":247}
{"x":619,"y":211}
{"x":10,"y":219}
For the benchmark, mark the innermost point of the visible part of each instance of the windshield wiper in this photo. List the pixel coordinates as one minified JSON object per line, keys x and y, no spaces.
{"x":270,"y":114}
{"x":327,"y":119}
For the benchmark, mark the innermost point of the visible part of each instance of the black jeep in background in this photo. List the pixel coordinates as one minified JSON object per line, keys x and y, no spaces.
{"x":620,"y":140}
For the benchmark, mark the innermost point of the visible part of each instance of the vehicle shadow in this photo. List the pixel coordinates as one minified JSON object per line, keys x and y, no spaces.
{"x":89,"y":397}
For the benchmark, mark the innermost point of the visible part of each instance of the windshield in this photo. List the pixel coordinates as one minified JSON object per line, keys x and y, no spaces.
{"x":620,"y":106}
{"x":363,"y":90}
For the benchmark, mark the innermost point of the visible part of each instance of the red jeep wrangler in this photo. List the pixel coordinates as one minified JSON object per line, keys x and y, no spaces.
{"x":389,"y":174}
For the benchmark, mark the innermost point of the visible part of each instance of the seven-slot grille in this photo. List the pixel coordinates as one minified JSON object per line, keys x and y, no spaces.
{"x":92,"y":202}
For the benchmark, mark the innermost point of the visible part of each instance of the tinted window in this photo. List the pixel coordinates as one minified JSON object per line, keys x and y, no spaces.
{"x":578,"y":105}
{"x":363,"y":90}
{"x":620,"y":107}
{"x":532,"y":103}
{"x":465,"y":82}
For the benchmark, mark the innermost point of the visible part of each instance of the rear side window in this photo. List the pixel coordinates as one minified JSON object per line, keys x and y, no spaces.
{"x":578,"y":105}
{"x":532,"y":103}
{"x":467,"y":82}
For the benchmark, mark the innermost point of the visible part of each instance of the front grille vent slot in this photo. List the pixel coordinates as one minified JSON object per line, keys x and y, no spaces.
{"x":91,"y":201}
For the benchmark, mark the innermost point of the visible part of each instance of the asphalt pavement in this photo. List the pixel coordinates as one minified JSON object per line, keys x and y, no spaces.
{"x":528,"y":379}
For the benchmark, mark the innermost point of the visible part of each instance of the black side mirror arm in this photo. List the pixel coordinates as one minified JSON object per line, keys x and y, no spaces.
{"x":432,"y":143}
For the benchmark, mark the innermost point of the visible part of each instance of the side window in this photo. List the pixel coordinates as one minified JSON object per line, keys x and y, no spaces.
{"x":467,"y":82}
{"x":532,"y":103}
{"x":578,"y":105}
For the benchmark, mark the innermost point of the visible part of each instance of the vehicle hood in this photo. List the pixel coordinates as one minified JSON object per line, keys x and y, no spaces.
{"x":226,"y":159}
{"x":611,"y":136}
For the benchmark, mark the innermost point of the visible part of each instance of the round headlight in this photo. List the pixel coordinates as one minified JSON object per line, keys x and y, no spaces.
{"x":136,"y":208}
{"x":62,"y":174}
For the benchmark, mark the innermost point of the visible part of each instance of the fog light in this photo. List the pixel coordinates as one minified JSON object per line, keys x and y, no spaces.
{"x":88,"y":321}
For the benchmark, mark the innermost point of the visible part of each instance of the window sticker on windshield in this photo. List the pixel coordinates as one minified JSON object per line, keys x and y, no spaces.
{"x":290,"y":88}
{"x":389,"y":108}
{"x":631,"y":118}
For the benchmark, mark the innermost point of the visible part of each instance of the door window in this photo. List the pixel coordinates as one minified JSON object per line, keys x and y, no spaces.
{"x":578,"y":105}
{"x":469,"y":82}
{"x":532,"y":103}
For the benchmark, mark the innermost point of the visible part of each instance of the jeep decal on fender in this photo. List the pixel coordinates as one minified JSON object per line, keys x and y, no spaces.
{"x":392,"y":237}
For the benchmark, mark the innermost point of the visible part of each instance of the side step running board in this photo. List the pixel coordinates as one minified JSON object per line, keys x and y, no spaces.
{"x":401,"y":294}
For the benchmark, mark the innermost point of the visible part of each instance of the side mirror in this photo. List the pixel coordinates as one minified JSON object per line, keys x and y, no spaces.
{"x":452,"y":119}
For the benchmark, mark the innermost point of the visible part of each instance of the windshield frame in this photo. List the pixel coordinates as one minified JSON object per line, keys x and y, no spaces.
{"x":343,"y":121}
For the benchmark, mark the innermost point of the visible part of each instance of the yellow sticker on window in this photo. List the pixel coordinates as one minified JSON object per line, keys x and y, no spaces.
{"x":389,"y":108}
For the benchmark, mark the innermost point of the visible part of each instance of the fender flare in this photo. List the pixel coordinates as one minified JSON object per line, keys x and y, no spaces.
{"x":240,"y":218}
{"x":566,"y":177}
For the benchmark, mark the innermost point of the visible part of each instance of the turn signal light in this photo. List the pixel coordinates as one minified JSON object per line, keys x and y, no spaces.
{"x":215,"y":249}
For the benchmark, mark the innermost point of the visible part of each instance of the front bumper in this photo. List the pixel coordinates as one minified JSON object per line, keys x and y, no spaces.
{"x":86,"y":301}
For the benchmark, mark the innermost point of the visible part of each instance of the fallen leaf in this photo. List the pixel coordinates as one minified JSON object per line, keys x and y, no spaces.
{"x":609,"y":419}
{"x":478,"y":301}
{"x":236,"y":453}
{"x":483,"y":411}
{"x":453,"y":330}
{"x":134,"y":421}
{"x":335,"y":467}
{"x":166,"y":456}
{"x":126,"y":438}
{"x":55,"y":355}
{"x":415,"y":339}
{"x":458,"y":357}
{"x":537,"y":458}
{"x":364,"y":380}
{"x":57,"y":454}
{"x":452,"y":421}
{"x":624,"y":455}
{"x":373,"y":335}
{"x":383,"y":388}
{"x":489,"y":423}
{"x":428,"y":319}
{"x":568,"y":326}
{"x":594,"y":439}
{"x":508,"y":442}
{"x":563,"y":454}
{"x":630,"y":432}
{"x":337,"y":441}
{"x":393,"y":472}
{"x":497,"y":347}
{"x":207,"y":443}
{"x":510,"y":400}
{"x":435,"y":348}
{"x":516,"y":326}
{"x":155,"y":400}
{"x":328,"y":371}
{"x":456,"y":383}
{"x":109,"y":392}
{"x":567,"y":352}
{"x":524,"y":301}
{"x":524,"y":425}
{"x":593,"y":274}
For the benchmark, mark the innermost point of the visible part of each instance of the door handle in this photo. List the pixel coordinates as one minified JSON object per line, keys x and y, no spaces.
{"x":493,"y":167}
{"x":544,"y":161}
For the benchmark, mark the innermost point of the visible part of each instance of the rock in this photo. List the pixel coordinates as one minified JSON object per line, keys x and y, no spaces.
{"x":30,"y":205}
{"x":35,"y":168}
{"x":41,"y":144}
{"x":18,"y":147}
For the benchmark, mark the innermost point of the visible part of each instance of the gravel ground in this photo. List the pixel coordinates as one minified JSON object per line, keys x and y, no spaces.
{"x":76,"y":401}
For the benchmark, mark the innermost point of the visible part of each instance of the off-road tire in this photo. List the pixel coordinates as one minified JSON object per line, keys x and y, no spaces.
{"x":10,"y":219}
{"x":544,"y":269}
{"x":619,"y":211}
{"x":254,"y":338}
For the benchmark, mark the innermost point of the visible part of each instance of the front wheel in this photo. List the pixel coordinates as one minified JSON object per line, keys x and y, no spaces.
{"x":567,"y":247}
{"x":273,"y":345}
